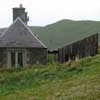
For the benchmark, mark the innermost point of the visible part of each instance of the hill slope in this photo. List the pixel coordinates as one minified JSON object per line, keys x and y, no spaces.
{"x":65,"y":31}
{"x":78,"y":80}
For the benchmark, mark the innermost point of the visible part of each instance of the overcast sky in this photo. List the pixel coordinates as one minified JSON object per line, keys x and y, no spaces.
{"x":43,"y":12}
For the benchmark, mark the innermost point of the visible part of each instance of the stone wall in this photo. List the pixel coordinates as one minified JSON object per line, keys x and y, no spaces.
{"x":30,"y":57}
{"x":3,"y":57}
{"x":36,"y":56}
{"x":79,"y":49}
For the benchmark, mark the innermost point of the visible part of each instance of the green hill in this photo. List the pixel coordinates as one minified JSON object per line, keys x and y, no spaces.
{"x":65,"y":31}
{"x":79,"y":80}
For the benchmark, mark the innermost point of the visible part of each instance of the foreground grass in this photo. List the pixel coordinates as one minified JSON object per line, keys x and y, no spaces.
{"x":79,"y":80}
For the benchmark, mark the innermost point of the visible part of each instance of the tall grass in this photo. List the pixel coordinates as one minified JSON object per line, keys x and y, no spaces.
{"x":74,"y":80}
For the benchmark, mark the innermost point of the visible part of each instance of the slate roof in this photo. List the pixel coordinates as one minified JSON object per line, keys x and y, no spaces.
{"x":19,"y":35}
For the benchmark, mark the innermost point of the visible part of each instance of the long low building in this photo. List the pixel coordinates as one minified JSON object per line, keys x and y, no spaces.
{"x":87,"y":46}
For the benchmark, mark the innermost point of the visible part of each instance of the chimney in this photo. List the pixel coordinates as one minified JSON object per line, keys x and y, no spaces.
{"x":20,"y":12}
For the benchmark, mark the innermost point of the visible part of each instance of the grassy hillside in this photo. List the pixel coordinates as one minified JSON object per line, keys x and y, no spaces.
{"x":79,"y":80}
{"x":65,"y":31}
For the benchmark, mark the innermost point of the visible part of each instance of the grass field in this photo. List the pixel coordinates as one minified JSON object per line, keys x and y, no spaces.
{"x":76,"y":80}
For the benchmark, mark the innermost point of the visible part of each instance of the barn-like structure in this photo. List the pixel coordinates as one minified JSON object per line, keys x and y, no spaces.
{"x":87,"y":46}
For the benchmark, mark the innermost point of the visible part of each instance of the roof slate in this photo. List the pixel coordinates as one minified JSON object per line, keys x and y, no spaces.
{"x":19,"y":35}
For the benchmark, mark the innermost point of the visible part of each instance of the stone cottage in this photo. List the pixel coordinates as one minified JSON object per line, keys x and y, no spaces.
{"x":19,"y":47}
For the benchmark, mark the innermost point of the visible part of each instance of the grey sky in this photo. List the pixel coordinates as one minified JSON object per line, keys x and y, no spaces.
{"x":43,"y":12}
